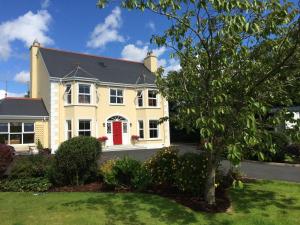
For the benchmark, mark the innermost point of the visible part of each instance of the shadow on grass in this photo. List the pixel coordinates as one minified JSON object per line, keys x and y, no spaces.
{"x":133,"y":209}
{"x":248,"y":199}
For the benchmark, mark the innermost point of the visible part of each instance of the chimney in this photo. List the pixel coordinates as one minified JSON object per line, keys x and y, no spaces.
{"x":33,"y":68}
{"x":151,"y":62}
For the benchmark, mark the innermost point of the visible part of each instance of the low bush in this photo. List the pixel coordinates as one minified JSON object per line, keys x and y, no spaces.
{"x":125,"y":173}
{"x":191,"y":174}
{"x":162,"y":166}
{"x":37,"y":184}
{"x":31,"y":166}
{"x":75,"y":161}
{"x":281,"y":141}
{"x":7,"y":154}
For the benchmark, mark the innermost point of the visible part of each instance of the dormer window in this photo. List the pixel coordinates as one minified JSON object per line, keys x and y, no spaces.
{"x":68,"y":94}
{"x":84,"y":94}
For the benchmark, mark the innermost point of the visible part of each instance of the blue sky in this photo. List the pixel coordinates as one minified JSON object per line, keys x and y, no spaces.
{"x":76,"y":26}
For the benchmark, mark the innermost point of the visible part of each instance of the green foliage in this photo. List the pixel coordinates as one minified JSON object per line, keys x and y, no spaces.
{"x":76,"y":161}
{"x":39,"y":145}
{"x":163,"y":166}
{"x":191,"y":174}
{"x":34,"y":184}
{"x":125,"y":173}
{"x":30,"y":166}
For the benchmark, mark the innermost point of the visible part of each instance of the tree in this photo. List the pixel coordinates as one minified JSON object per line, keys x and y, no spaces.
{"x":234,"y":57}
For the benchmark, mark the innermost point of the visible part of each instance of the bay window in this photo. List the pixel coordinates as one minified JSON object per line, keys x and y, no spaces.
{"x":84,"y":128}
{"x":68,"y":94}
{"x":84,"y":94}
{"x":140,"y":101}
{"x":152,"y":98}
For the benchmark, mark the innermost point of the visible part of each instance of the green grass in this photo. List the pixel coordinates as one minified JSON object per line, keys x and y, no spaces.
{"x":260,"y":203}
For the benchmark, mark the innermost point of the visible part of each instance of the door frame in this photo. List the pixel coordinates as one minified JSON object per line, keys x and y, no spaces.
{"x":125,"y":136}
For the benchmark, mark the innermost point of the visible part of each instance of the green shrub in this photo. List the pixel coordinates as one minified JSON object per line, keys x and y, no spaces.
{"x":36,"y":184}
{"x":30,"y":166}
{"x":191,"y":173}
{"x":76,"y":161}
{"x":125,"y":173}
{"x":163,"y":166}
{"x":281,"y":141}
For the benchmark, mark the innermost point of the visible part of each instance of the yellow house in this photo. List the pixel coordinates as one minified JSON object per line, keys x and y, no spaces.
{"x":97,"y":96}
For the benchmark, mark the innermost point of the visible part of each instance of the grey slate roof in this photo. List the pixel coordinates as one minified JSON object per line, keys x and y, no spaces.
{"x":63,"y":64}
{"x":22,"y":107}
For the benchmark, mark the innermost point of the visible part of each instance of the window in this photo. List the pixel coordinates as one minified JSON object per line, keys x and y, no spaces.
{"x":124,"y":127}
{"x":84,"y":95}
{"x":153,"y":128}
{"x":17,"y":133}
{"x":68,"y":94}
{"x":140,"y":101}
{"x":84,"y":128}
{"x":141,"y":128}
{"x":116,"y":96}
{"x":108,"y":128}
{"x":68,"y":129}
{"x":152,"y":98}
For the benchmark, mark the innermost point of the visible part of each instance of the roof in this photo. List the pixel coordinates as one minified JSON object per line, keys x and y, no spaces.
{"x":27,"y":107}
{"x":64,"y":64}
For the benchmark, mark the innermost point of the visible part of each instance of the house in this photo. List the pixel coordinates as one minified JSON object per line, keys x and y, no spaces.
{"x":75,"y":94}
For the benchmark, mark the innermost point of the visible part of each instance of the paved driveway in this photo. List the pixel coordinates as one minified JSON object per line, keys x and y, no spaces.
{"x":250,"y":169}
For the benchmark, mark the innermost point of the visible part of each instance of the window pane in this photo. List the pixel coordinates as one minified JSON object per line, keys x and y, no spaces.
{"x":152,"y":94}
{"x":15,"y":127}
{"x":153,"y":124}
{"x":28,"y":138}
{"x":112,"y":91}
{"x":84,"y":133}
{"x":15,"y":139}
{"x":69,"y":135}
{"x":141,"y":124}
{"x":153,"y":133}
{"x":152,"y":102}
{"x":113,"y":99}
{"x":108,"y":127}
{"x":124,"y":127}
{"x":119,"y":100}
{"x":120,"y":92}
{"x":141,"y":133}
{"x":3,"y":138}
{"x":84,"y":99}
{"x":3,"y":127}
{"x":69,"y":125}
{"x":84,"y":89}
{"x":28,"y":127}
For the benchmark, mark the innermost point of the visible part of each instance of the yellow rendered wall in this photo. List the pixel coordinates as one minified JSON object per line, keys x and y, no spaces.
{"x":41,"y":133}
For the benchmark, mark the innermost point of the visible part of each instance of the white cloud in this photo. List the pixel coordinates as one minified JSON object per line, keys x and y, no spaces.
{"x":172,"y":65}
{"x":151,"y":25}
{"x":136,"y":53}
{"x":22,"y":77}
{"x":10,"y":94}
{"x":45,"y":4}
{"x":108,"y":31}
{"x":25,"y":28}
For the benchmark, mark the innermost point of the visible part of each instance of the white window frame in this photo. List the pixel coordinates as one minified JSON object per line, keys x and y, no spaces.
{"x":85,"y":94}
{"x":158,"y":131}
{"x":22,"y":132}
{"x":69,"y":131}
{"x":116,"y":96}
{"x":138,"y":97}
{"x":141,"y":129}
{"x":156,"y":98}
{"x":69,"y":93}
{"x":84,"y":130}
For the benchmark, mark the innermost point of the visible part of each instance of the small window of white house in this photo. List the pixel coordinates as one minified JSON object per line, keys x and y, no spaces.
{"x":84,"y":94}
{"x":153,"y":128}
{"x":108,"y":128}
{"x":125,"y":127}
{"x":68,"y":94}
{"x":116,"y":96}
{"x":152,"y":98}
{"x":17,"y":133}
{"x":68,"y":129}
{"x":141,"y":128}
{"x":84,"y":128}
{"x":140,"y":101}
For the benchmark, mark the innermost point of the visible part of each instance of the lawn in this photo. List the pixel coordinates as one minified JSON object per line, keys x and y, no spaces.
{"x":260,"y":203}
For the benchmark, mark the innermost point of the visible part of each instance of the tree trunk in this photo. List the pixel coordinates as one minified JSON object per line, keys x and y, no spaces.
{"x":209,"y":194}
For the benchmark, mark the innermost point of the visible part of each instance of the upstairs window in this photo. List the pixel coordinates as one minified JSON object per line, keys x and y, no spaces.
{"x":140,"y":101}
{"x":152,"y":98}
{"x":84,"y":128}
{"x":116,"y":96}
{"x":68,"y":94}
{"x":84,"y":94}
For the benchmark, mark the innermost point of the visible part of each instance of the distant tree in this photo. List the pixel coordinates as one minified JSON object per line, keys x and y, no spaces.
{"x":237,"y":58}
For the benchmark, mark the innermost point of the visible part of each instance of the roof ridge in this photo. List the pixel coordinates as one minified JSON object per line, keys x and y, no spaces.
{"x":91,"y":55}
{"x":22,"y":98}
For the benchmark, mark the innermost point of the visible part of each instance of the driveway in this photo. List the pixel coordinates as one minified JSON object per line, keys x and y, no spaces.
{"x":250,"y":169}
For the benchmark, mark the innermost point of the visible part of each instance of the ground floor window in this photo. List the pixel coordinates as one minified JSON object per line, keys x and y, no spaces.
{"x":17,"y":133}
{"x":84,"y":128}
{"x":68,"y":129}
{"x":141,"y":128}
{"x":153,"y":128}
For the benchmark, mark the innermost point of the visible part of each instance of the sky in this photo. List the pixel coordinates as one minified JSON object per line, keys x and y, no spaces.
{"x":76,"y":26}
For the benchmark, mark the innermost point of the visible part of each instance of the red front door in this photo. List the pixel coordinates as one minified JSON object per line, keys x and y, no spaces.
{"x":117,"y":133}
